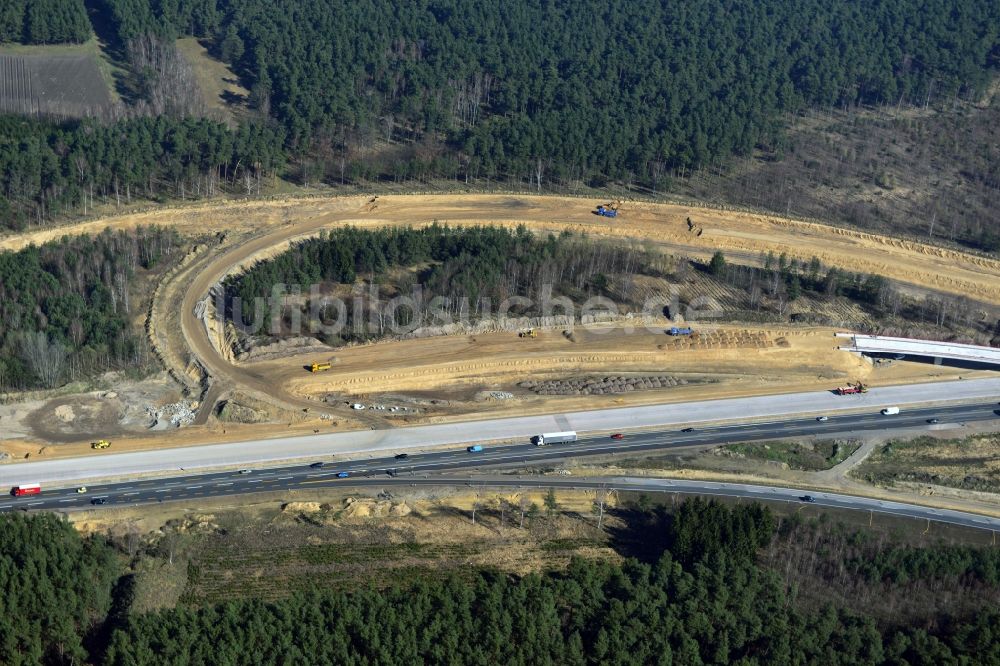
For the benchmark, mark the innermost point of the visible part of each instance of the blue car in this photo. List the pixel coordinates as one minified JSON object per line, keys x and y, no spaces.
{"x":343,"y":475}
{"x":475,"y":449}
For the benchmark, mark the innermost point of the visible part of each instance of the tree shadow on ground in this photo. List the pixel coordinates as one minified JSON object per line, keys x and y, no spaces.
{"x":642,"y":535}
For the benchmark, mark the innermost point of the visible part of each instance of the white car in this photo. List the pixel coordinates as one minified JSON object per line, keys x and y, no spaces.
{"x":357,"y":405}
{"x":822,"y":418}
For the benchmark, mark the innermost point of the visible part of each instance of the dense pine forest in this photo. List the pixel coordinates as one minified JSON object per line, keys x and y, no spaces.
{"x":44,"y":21}
{"x":67,"y":310}
{"x":349,"y":285}
{"x":702,"y":593}
{"x":517,"y":94}
{"x":463,"y":273}
{"x":46,"y":169}
{"x":57,"y":589}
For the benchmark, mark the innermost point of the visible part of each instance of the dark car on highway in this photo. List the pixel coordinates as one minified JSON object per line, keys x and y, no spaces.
{"x":99,"y":500}
{"x":617,"y":435}
{"x":808,"y":498}
{"x":687,"y":429}
{"x":343,"y":475}
{"x":316,"y":465}
{"x":402,"y":456}
{"x":933,"y":421}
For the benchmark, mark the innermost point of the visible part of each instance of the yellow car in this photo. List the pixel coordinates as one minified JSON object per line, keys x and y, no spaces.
{"x":81,"y":489}
{"x":100,"y":444}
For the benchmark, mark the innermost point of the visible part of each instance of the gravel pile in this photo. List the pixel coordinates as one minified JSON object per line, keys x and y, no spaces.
{"x":601,"y":386}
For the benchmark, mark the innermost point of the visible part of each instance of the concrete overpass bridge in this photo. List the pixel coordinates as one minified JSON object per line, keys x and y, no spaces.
{"x":905,"y":347}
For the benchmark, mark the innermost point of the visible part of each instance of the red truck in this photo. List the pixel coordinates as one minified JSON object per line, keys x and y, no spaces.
{"x":851,"y":389}
{"x":26,"y":489}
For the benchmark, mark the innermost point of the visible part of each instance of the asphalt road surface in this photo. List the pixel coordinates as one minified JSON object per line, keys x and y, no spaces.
{"x":426,"y":469}
{"x":783,"y":414}
{"x":760,"y":493}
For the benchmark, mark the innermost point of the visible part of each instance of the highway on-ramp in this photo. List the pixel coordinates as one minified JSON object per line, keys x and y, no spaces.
{"x":620,"y":484}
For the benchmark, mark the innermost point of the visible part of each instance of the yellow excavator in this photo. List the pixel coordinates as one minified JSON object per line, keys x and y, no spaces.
{"x":530,"y":333}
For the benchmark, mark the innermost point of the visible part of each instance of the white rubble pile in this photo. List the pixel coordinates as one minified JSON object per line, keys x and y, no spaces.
{"x":176,"y":414}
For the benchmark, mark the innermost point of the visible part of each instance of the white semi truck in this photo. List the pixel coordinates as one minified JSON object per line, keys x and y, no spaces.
{"x":553,"y":438}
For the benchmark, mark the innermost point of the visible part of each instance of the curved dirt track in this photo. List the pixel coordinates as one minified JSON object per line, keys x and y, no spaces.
{"x":742,"y":234}
{"x":266,"y":227}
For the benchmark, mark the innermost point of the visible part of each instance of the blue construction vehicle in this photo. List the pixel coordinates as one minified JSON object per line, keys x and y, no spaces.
{"x":680,"y":331}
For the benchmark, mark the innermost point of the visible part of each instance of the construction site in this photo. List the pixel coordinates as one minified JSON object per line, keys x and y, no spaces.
{"x":210,"y":392}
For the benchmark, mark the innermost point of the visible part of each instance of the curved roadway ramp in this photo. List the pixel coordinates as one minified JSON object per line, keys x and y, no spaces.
{"x":67,"y":501}
{"x":769,"y":493}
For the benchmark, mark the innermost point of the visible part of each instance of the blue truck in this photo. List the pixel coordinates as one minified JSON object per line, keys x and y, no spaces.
{"x":475,"y":448}
{"x":605,"y":211}
{"x":680,"y":331}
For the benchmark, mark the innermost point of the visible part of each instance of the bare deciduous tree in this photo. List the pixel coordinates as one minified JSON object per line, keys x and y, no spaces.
{"x":165,"y":79}
{"x":600,"y":501}
{"x":46,"y":359}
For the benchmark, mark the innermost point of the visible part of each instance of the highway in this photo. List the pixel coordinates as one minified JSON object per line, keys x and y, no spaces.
{"x":766,"y":416}
{"x":646,"y":485}
{"x":426,"y":468}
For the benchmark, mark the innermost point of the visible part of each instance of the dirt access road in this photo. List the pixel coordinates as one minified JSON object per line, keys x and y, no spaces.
{"x":909,"y":262}
{"x":255,"y":230}
{"x":660,"y":224}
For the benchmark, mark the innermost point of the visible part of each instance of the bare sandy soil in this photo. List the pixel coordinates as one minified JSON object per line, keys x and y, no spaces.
{"x":719,"y":361}
{"x":270,"y":546}
{"x":456,"y":364}
{"x":723,"y":361}
{"x":915,"y":263}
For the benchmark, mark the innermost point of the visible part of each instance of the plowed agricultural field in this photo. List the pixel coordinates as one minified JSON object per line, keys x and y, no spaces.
{"x":65,"y":85}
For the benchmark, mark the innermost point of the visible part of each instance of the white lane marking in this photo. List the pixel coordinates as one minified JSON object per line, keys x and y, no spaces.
{"x":223,"y":484}
{"x":255,"y":481}
{"x":66,"y":500}
{"x":129,"y":494}
{"x":283,"y":478}
{"x":192,"y":487}
{"x":163,"y":490}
